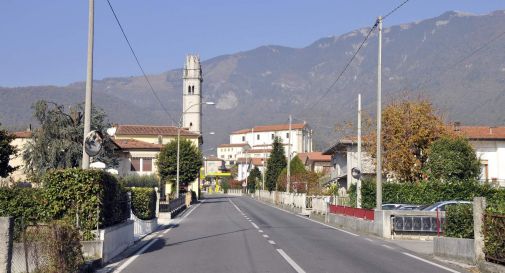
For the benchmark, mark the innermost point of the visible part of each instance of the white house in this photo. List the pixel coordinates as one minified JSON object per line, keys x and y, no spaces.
{"x":489,"y":144}
{"x":231,"y":152}
{"x":245,"y":165}
{"x":316,"y":162}
{"x":300,"y":139}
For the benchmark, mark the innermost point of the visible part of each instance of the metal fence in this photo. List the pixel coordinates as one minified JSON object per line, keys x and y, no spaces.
{"x":173,"y":205}
{"x":494,"y":234}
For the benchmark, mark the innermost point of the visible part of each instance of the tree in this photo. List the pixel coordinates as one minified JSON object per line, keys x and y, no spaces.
{"x":452,"y":158}
{"x":408,"y":129}
{"x":6,"y":151}
{"x":297,"y":175}
{"x":253,"y":178}
{"x":57,"y":143}
{"x":190,"y":162}
{"x":275,"y":164}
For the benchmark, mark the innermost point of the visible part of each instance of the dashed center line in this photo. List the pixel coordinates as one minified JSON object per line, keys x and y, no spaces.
{"x":254,"y":225}
{"x":260,"y":231}
{"x":386,"y":246}
{"x":264,"y":235}
{"x":271,"y":242}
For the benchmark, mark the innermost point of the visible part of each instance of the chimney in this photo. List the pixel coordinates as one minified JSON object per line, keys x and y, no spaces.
{"x":456,"y":125}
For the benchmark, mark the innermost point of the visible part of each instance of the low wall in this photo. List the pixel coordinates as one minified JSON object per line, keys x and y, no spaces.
{"x":92,"y":249}
{"x":142,"y":228}
{"x":353,"y":223}
{"x":116,"y":239}
{"x":454,"y":248}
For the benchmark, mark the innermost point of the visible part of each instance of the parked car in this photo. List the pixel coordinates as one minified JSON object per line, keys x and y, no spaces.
{"x":442,"y":205}
{"x":391,"y":206}
{"x":412,"y":207}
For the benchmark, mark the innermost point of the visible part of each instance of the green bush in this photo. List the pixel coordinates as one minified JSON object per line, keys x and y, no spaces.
{"x":142,"y":181}
{"x":143,"y":202}
{"x":86,"y":197}
{"x":459,"y":221}
{"x":422,"y":193}
{"x":23,"y":204}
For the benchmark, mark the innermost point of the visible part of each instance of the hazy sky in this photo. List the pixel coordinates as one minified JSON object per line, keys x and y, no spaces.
{"x":44,"y":42}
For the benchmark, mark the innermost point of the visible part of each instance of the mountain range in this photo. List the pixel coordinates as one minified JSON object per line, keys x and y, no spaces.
{"x":456,"y":60}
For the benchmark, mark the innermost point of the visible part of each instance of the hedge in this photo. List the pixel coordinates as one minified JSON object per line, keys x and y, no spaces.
{"x":143,"y":203}
{"x":148,"y":181}
{"x":423,"y":193}
{"x":86,"y":197}
{"x":23,"y":204}
{"x":459,"y":221}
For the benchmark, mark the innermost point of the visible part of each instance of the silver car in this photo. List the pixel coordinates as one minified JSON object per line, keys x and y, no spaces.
{"x":442,"y":205}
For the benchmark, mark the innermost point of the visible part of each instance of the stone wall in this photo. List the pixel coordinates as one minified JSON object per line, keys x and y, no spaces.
{"x":6,"y":231}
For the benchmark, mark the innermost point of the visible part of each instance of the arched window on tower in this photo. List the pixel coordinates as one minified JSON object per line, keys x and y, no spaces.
{"x":192,"y":90}
{"x":189,"y":90}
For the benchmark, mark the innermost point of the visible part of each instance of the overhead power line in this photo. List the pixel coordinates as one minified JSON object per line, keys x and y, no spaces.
{"x":139,"y":64}
{"x":395,"y":9}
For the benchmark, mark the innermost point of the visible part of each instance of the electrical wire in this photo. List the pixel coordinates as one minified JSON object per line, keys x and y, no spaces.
{"x":139,"y":64}
{"x":395,"y":9}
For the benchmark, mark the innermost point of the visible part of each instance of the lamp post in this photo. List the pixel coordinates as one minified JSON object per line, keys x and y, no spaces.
{"x":179,"y":125}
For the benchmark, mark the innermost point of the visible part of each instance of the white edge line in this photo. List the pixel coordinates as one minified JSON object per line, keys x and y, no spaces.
{"x":293,"y":264}
{"x":143,"y":249}
{"x":254,"y":225}
{"x":432,"y":263}
{"x":306,"y":218}
{"x":386,"y":246}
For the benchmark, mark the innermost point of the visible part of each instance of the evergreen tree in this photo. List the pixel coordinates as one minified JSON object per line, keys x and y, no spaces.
{"x":190,"y":162}
{"x":452,"y":158}
{"x":57,"y":143}
{"x":253,"y":178}
{"x":6,"y":151}
{"x":297,"y":174}
{"x":275,"y":164}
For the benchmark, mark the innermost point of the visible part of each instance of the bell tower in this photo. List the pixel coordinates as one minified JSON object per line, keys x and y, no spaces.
{"x":192,"y":94}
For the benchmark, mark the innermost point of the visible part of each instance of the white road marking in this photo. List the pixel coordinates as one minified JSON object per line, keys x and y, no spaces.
{"x":368,"y":239}
{"x":254,"y":225}
{"x":271,"y":242}
{"x":293,"y":264}
{"x":264,"y":235}
{"x":432,"y":263}
{"x":386,"y":246}
{"x":260,"y":231}
{"x":143,"y":249}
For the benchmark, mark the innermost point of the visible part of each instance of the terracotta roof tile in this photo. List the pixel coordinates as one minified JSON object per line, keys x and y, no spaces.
{"x":480,"y":132}
{"x":22,"y":134}
{"x":314,"y":156}
{"x":252,"y":151}
{"x":274,"y":127}
{"x":131,"y":144}
{"x":254,"y":161}
{"x":152,"y":130}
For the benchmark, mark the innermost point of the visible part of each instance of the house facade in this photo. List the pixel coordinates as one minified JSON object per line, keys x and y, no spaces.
{"x":344,"y":157}
{"x":300,"y":139}
{"x":489,"y":145}
{"x":21,"y":138}
{"x":231,"y":152}
{"x":316,"y":162}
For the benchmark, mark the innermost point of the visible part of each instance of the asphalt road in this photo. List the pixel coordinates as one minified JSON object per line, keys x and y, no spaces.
{"x":239,"y":234}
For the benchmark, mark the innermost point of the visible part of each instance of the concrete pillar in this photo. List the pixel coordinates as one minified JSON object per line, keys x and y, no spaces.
{"x":157,"y":201}
{"x":479,"y":208}
{"x":6,"y":233}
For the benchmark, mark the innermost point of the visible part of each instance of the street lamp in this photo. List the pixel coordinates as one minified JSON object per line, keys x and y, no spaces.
{"x":179,"y":125}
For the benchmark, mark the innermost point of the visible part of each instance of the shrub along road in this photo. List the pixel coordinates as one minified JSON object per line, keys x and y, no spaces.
{"x":239,"y":234}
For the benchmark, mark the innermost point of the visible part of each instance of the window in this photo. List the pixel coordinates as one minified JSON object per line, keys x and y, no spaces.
{"x":192,"y":90}
{"x":189,"y":90}
{"x":160,"y":139}
{"x":243,"y":138}
{"x":258,"y":137}
{"x":147,"y":164}
{"x":273,"y":136}
{"x":135,"y":164}
{"x":287,"y":135}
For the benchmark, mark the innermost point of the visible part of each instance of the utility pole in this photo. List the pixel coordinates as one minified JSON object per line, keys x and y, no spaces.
{"x":89,"y":82}
{"x":358,"y":184}
{"x":178,"y":155}
{"x":289,"y":158}
{"x":379,"y":120}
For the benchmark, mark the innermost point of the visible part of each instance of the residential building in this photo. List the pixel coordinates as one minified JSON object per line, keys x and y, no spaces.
{"x":231,"y":152}
{"x":489,"y":145}
{"x":300,"y":141}
{"x":140,"y":144}
{"x":316,"y":162}
{"x":344,"y":157}
{"x":245,"y":165}
{"x":213,"y":165}
{"x":19,"y":142}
